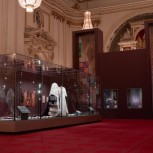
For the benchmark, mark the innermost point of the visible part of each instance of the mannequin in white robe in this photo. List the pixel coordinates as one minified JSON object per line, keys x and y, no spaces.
{"x":63,"y":104}
{"x":54,"y":90}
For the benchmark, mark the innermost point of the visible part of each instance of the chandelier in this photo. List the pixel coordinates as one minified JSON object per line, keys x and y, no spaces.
{"x":87,"y":20}
{"x":30,"y":5}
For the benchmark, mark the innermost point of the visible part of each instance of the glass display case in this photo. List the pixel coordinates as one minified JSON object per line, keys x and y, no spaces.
{"x":31,"y":89}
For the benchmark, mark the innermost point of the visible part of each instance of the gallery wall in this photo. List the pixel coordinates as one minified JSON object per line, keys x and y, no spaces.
{"x":117,"y":73}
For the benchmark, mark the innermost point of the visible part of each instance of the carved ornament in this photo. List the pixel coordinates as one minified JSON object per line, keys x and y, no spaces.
{"x":58,"y":16}
{"x":95,"y":23}
{"x":39,"y":42}
{"x":69,"y":11}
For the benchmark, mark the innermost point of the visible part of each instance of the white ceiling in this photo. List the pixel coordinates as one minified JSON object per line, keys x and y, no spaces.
{"x":91,"y":4}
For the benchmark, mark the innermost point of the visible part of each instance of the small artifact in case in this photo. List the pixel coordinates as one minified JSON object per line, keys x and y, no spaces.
{"x":24,"y":112}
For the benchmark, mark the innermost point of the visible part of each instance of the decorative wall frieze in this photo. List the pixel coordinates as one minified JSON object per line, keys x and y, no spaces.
{"x":74,"y":23}
{"x":39,"y":43}
{"x":95,"y":22}
{"x":58,"y":16}
{"x":62,"y":7}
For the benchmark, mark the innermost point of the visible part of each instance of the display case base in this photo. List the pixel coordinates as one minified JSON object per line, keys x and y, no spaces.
{"x":32,"y":125}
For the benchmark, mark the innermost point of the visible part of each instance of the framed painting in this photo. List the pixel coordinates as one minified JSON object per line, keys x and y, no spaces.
{"x":87,"y":44}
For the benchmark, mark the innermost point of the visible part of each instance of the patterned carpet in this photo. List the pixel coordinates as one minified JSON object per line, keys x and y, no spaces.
{"x":108,"y":136}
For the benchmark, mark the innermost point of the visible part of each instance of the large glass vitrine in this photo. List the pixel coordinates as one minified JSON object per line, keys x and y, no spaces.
{"x":31,"y":89}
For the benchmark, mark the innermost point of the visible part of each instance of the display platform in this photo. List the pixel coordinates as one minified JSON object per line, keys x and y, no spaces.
{"x":38,"y":124}
{"x":36,"y":95}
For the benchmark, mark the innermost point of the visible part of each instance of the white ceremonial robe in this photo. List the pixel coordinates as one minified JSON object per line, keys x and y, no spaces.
{"x":63,"y":104}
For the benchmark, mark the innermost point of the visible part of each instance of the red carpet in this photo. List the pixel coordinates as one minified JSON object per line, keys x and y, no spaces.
{"x":108,"y":136}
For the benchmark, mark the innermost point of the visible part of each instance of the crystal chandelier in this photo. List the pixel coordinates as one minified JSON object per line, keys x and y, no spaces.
{"x":87,"y":20}
{"x":30,"y":5}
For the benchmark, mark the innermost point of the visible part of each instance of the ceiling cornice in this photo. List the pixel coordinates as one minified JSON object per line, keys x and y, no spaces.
{"x":124,"y":7}
{"x":70,"y":12}
{"x":64,"y":12}
{"x":63,"y":8}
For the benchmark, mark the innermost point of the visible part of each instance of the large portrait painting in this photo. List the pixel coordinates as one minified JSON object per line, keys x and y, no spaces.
{"x":87,"y":53}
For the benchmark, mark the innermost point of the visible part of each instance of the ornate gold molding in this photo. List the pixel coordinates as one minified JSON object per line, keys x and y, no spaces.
{"x":73,"y":16}
{"x":70,"y":12}
{"x":58,"y":16}
{"x":76,"y":6}
{"x":74,"y":23}
{"x":39,"y":43}
{"x":95,"y":22}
